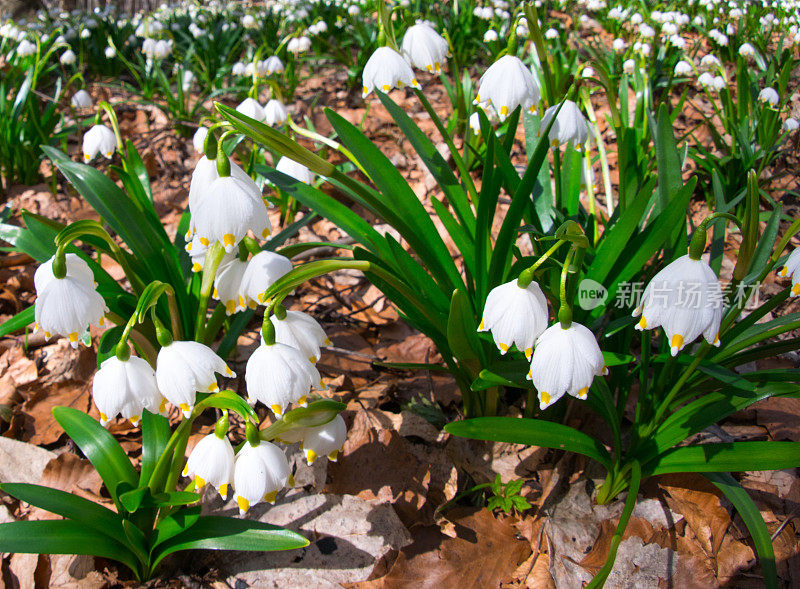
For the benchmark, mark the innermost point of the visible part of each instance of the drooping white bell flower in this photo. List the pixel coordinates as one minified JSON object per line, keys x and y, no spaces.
{"x":228,"y":209}
{"x":507,"y":84}
{"x":490,"y":36}
{"x":565,"y":361}
{"x":324,"y":440}
{"x":570,"y":125}
{"x":127,"y":388}
{"x":249,"y":21}
{"x":228,"y":285}
{"x":81,"y":99}
{"x":386,"y":69}
{"x":769,"y":96}
{"x":683,"y":68}
{"x":185,"y":367}
{"x":239,"y":69}
{"x":199,"y":139}
{"x":203,"y":176}
{"x":424,"y":48}
{"x":278,"y":375}
{"x":263,"y":269}
{"x":747,"y":50}
{"x":685,"y":298}
{"x":300,"y":330}
{"x":628,"y":66}
{"x":259,"y":473}
{"x":791,"y":124}
{"x":249,"y":107}
{"x":475,"y":123}
{"x":211,"y":462}
{"x":110,"y":52}
{"x":274,"y":113}
{"x":99,"y":139}
{"x":273,"y":65}
{"x":67,"y":306}
{"x":68,"y":57}
{"x":791,"y":269}
{"x":295,"y":169}
{"x":515,"y":316}
{"x":298,"y":45}
{"x":26,"y":48}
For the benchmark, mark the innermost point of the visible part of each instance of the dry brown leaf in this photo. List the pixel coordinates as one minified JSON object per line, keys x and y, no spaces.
{"x":484,"y":553}
{"x":40,"y":427}
{"x":780,"y":416}
{"x":27,"y":570}
{"x":71,"y":473}
{"x":694,"y":497}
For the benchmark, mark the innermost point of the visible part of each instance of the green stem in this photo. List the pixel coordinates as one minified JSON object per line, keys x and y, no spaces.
{"x":214,"y":255}
{"x":526,"y":276}
{"x":327,"y":141}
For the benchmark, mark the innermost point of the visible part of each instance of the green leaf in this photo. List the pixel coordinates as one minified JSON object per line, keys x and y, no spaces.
{"x":132,"y":500}
{"x":175,"y":523}
{"x":155,"y":436}
{"x":461,"y":329}
{"x":62,"y":537}
{"x":727,"y":457}
{"x":65,"y":504}
{"x":225,"y":533}
{"x":99,"y":446}
{"x":533,"y":432}
{"x":755,"y":523}
{"x":670,"y":179}
{"x":176,"y":498}
{"x":229,"y":400}
{"x":18,"y":321}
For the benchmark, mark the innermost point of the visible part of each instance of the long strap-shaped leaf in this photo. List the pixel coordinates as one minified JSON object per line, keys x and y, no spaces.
{"x":754,"y":522}
{"x":534,"y":432}
{"x":398,"y":205}
{"x":727,"y":457}
{"x":99,"y":446}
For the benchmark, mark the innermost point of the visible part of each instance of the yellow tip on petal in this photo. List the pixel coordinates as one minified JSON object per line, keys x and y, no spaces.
{"x":312,"y":359}
{"x":135,"y":420}
{"x":196,"y":267}
{"x":47,"y":334}
{"x":204,"y":241}
{"x":528,"y":353}
{"x":578,"y":146}
{"x":265,"y":233}
{"x":503,"y":348}
{"x":503,"y":111}
{"x":386,"y":87}
{"x":277,"y":410}
{"x":73,"y":337}
{"x":162,"y":406}
{"x":796,"y":289}
{"x":290,"y":482}
{"x":414,"y":82}
{"x":676,"y":344}
{"x":583,"y":393}
{"x":364,"y":90}
{"x":333,"y":455}
{"x":215,"y":293}
{"x":199,"y":483}
{"x":228,"y":370}
{"x":213,"y":387}
{"x":429,"y":67}
{"x":189,"y":246}
{"x":243,"y":504}
{"x":554,"y":143}
{"x":477,"y":98}
{"x":642,"y":323}
{"x":544,"y":399}
{"x":302,"y":401}
{"x":103,"y":416}
{"x":327,"y":341}
{"x":716,"y":340}
{"x":241,"y":301}
{"x":186,"y":469}
{"x":530,"y":376}
{"x":184,"y":407}
{"x":223,"y":490}
{"x":270,"y":497}
{"x":783,"y":271}
{"x":102,"y":321}
{"x":311,"y":456}
{"x":228,"y":240}
{"x":230,"y":307}
{"x":482,"y":326}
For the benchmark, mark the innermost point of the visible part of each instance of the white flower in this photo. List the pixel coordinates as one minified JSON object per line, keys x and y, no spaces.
{"x":791,"y":124}
{"x":791,"y":269}
{"x":199,"y":139}
{"x":278,"y":375}
{"x":424,"y":48}
{"x":188,"y":78}
{"x":386,"y":69}
{"x":769,"y":96}
{"x":507,"y":84}
{"x":249,"y":21}
{"x":569,"y":126}
{"x":684,"y":298}
{"x":98,"y":139}
{"x":228,"y":285}
{"x":239,"y":69}
{"x":262,"y":271}
{"x":227,"y":210}
{"x":110,"y":52}
{"x":475,"y":123}
{"x":185,"y":367}
{"x":628,"y":66}
{"x":683,"y":68}
{"x":515,"y":316}
{"x":68,"y":57}
{"x":619,"y":45}
{"x":273,"y":65}
{"x":67,"y":306}
{"x":298,"y":45}
{"x":126,"y":387}
{"x":26,"y":48}
{"x":249,"y":107}
{"x":747,"y":50}
{"x":490,"y":36}
{"x":259,"y":473}
{"x":300,"y":330}
{"x":211,"y":462}
{"x":565,"y":361}
{"x":81,"y":99}
{"x":295,"y":169}
{"x":324,"y":440}
{"x":274,"y":113}
{"x":709,"y":62}
{"x":551,"y":34}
